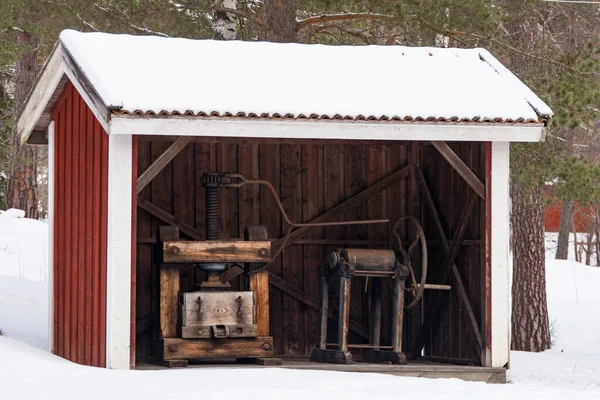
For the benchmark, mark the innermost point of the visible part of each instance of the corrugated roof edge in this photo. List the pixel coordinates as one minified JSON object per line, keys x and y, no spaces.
{"x":538,"y":105}
{"x":337,"y":117}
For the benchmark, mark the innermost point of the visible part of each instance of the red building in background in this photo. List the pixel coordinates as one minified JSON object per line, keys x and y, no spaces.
{"x":583,"y":216}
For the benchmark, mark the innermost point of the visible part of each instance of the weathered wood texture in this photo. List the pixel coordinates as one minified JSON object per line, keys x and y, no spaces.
{"x":175,"y":349}
{"x":80,"y":228}
{"x":221,"y":251}
{"x":218,"y":308}
{"x":311,"y":179}
{"x":451,"y":334}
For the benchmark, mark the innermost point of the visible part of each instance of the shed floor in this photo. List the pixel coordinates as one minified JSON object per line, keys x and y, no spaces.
{"x":425,"y":369}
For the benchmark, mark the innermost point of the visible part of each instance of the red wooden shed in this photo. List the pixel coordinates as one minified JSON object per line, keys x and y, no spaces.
{"x":342,"y":132}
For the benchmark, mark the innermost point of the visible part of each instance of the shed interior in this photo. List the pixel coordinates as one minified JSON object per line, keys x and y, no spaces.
{"x":312,"y":177}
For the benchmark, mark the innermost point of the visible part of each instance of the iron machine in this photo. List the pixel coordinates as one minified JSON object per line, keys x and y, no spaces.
{"x":393,"y":265}
{"x":215,"y":322}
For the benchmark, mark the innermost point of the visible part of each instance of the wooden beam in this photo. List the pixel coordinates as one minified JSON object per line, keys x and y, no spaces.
{"x":259,"y":284}
{"x":344,"y":206}
{"x":216,"y":251}
{"x":450,"y":253}
{"x":168,"y":291}
{"x":169,"y":218}
{"x":175,"y":349}
{"x":162,"y":161}
{"x":460,"y":167}
{"x":301,"y":296}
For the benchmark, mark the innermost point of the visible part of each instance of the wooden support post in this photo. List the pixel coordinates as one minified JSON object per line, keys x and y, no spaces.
{"x":450,"y":252}
{"x":344,"y":319}
{"x":259,"y":284}
{"x":162,"y":161}
{"x":395,"y":355}
{"x":300,"y":295}
{"x":397,"y":315}
{"x":324,"y":312}
{"x":259,"y":281}
{"x":169,"y":290}
{"x":341,"y":355}
{"x":460,"y":167}
{"x":169,"y":301}
{"x":375,"y":337}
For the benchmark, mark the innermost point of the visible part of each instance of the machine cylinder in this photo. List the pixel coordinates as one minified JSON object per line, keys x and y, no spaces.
{"x":370,"y":259}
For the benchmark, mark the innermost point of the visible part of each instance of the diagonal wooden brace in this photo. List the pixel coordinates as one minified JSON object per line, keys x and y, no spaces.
{"x":162,"y":161}
{"x":460,"y":167}
{"x":450,"y":252}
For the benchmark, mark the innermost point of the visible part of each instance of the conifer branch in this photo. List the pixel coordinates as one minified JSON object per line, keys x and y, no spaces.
{"x":341,"y":17}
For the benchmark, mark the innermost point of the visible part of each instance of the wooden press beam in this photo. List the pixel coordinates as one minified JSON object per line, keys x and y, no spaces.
{"x":216,"y":251}
{"x":304,"y":298}
{"x":450,"y":253}
{"x":162,"y":161}
{"x":169,"y":218}
{"x":344,"y":206}
{"x":460,"y":167}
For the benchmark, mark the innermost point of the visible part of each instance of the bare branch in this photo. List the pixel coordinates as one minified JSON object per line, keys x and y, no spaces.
{"x":243,"y":14}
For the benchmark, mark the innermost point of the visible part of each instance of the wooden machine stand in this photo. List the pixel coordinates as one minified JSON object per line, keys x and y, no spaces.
{"x":214,"y":322}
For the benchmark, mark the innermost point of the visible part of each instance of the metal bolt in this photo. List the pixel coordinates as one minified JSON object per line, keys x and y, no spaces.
{"x":200,"y":331}
{"x":266,"y":346}
{"x":174,"y":250}
{"x":262,"y":252}
{"x":239,"y":331}
{"x":172,"y":348}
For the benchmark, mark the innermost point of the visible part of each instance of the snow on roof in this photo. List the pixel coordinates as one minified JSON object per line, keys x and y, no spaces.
{"x":147,"y":74}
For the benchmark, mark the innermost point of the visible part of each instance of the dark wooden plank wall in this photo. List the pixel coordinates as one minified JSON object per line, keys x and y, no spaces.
{"x":451,"y":334}
{"x":80,"y":225}
{"x":312,"y":179}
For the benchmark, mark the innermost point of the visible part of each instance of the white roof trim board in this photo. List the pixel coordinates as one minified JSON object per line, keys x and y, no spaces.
{"x":149,"y":75}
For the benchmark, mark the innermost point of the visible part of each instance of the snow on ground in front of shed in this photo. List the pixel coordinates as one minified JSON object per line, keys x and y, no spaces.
{"x":392,"y":81}
{"x":571,"y":370}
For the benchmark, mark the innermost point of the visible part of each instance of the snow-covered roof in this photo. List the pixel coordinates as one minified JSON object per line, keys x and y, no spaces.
{"x":147,"y":74}
{"x":158,"y":78}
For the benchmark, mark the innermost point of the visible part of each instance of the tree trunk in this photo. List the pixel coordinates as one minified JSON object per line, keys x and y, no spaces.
{"x":575,"y":249}
{"x":564,"y":229}
{"x":223,"y":24}
{"x":597,"y":227}
{"x":280,"y":18}
{"x":530,"y":328}
{"x":22,"y":174}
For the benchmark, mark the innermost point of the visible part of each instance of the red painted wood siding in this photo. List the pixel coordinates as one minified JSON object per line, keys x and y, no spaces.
{"x":583,"y":217}
{"x":80,"y":224}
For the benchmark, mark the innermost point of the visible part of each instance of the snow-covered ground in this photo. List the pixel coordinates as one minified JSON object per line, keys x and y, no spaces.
{"x":570,"y":370}
{"x":552,"y":243}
